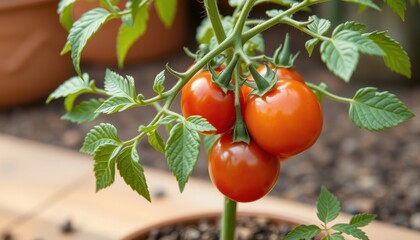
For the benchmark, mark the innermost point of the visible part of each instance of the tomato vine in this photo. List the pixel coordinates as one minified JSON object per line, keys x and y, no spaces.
{"x":233,"y":45}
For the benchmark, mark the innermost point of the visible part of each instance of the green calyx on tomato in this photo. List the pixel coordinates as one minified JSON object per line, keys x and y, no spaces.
{"x":262,"y":83}
{"x":200,"y":96}
{"x":285,"y":121}
{"x":225,"y":76}
{"x":280,"y":73}
{"x":242,"y":172}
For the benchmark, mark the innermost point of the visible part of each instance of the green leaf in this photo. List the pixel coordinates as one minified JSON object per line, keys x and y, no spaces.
{"x":398,"y":6}
{"x":84,"y":112}
{"x":365,"y":3}
{"x":352,"y":32}
{"x":350,"y":230}
{"x":362,"y":219}
{"x":209,"y":141}
{"x":182,"y":150}
{"x":341,"y":57}
{"x":156,"y":141}
{"x":118,"y":86}
{"x":73,"y":85}
{"x":128,"y":164}
{"x":128,"y":20}
{"x":319,"y":25}
{"x":71,"y":89}
{"x":166,"y":10}
{"x":65,"y":11}
{"x":375,"y":110}
{"x":204,"y":32}
{"x":104,"y":166}
{"x":167,"y":119}
{"x":127,"y":35}
{"x":303,"y":232}
{"x":335,"y":236}
{"x":102,"y":134}
{"x":135,"y":6}
{"x":328,"y":206}
{"x":363,"y":43}
{"x":82,"y":30}
{"x":158,"y":86}
{"x":396,"y":59}
{"x":115,"y":104}
{"x":310,"y":44}
{"x":349,"y":25}
{"x":255,"y":45}
{"x":199,"y":123}
{"x":273,"y":12}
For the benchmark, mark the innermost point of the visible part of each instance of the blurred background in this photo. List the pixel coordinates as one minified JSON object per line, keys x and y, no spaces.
{"x":369,"y":172}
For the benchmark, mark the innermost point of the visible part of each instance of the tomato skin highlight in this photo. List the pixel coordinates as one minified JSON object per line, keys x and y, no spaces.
{"x":285,"y":121}
{"x":200,"y":96}
{"x":281,"y":73}
{"x":242,"y":172}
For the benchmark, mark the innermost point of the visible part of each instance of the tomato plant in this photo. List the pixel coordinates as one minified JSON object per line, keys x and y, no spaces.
{"x":282,"y":115}
{"x":295,"y":118}
{"x":231,"y":166}
{"x":200,"y":96}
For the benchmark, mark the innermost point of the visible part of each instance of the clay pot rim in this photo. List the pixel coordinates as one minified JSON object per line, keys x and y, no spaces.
{"x":190,"y":218}
{"x":6,"y":5}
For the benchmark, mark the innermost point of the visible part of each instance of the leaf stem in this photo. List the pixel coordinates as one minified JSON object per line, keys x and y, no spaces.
{"x":296,"y":24}
{"x":328,"y":94}
{"x":278,"y":19}
{"x":228,"y":220}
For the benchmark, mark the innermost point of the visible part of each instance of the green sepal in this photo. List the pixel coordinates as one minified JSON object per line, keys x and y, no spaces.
{"x":282,"y":56}
{"x":223,"y":79}
{"x":263,"y":84}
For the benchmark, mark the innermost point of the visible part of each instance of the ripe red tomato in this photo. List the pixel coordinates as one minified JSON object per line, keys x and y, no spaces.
{"x":281,"y":73}
{"x":285,"y":121}
{"x":200,"y":96}
{"x":242,"y":172}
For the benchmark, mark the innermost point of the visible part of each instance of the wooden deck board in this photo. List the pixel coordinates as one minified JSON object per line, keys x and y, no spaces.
{"x":52,"y":185}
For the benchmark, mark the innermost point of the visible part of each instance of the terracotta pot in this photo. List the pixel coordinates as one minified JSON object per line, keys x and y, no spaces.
{"x":156,"y":42}
{"x":31,"y":39}
{"x":142,"y":234}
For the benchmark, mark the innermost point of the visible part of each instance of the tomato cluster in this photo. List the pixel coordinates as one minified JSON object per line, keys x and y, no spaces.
{"x":284,"y":122}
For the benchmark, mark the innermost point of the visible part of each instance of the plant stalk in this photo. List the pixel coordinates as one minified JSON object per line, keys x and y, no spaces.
{"x":228,"y":220}
{"x":214,"y":16}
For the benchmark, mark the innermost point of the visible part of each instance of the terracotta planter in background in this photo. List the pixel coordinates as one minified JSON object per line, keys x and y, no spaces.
{"x":156,"y":42}
{"x":31,"y":39}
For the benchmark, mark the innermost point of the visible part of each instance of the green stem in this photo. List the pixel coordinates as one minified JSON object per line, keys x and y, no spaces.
{"x":100,"y":91}
{"x":277,"y":19}
{"x":328,"y":94}
{"x":298,"y":25}
{"x":240,"y":132}
{"x":239,"y":26}
{"x":228,"y":220}
{"x":214,"y":16}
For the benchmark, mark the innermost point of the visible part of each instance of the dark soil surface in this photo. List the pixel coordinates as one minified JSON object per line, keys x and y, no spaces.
{"x":369,"y":172}
{"x":247,"y":228}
